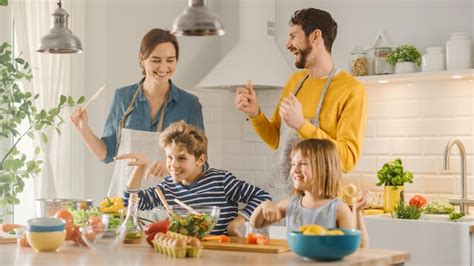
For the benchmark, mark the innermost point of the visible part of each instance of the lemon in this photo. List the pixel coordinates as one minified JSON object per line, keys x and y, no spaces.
{"x":313,"y":229}
{"x":351,"y":190}
{"x":335,"y":232}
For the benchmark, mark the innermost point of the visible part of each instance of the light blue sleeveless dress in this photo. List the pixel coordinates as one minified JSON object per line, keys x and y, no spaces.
{"x":297,"y":215}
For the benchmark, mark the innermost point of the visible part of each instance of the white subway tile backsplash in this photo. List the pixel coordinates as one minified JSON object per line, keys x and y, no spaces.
{"x":456,"y":126}
{"x":377,"y":110}
{"x":406,"y":109}
{"x":422,"y":127}
{"x":370,"y":128}
{"x":366,"y":164}
{"x":439,"y":108}
{"x":377,"y":146}
{"x":391,"y":128}
{"x":465,"y":107}
{"x":407,"y":146}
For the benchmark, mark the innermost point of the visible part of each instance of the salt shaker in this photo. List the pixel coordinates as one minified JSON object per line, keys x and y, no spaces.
{"x":433,"y":60}
{"x":458,"y":51}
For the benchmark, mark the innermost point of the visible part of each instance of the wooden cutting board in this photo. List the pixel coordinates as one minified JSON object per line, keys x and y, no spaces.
{"x":7,"y":240}
{"x":239,"y":244}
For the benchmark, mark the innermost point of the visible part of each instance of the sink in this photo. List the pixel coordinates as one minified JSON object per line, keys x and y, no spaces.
{"x":432,"y":240}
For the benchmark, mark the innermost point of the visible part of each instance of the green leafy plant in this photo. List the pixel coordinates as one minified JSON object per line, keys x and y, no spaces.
{"x":455,"y":216}
{"x":403,"y":211}
{"x":3,"y":2}
{"x":404,"y":53}
{"x":392,"y":174}
{"x":20,"y":118}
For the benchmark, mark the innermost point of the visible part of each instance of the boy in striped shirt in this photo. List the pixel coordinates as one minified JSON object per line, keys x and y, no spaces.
{"x":186,"y":154}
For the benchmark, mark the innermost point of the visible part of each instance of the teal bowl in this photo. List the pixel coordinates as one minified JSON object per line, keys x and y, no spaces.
{"x":325,"y":247}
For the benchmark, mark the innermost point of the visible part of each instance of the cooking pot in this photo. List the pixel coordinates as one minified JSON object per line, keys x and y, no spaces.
{"x":49,"y":207}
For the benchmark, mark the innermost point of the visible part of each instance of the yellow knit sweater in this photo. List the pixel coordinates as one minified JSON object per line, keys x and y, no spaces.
{"x":342,"y":118}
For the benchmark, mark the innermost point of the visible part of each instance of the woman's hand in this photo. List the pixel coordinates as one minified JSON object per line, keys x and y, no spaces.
{"x":80,"y":118}
{"x":158,"y":168}
{"x":134,"y":158}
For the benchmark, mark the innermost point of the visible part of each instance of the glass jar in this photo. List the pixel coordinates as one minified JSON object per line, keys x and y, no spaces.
{"x":458,"y":51}
{"x":359,"y":63}
{"x":133,"y":233}
{"x":433,"y":60}
{"x":381,"y":66}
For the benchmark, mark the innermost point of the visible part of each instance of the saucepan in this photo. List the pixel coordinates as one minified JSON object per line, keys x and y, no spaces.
{"x":49,"y":207}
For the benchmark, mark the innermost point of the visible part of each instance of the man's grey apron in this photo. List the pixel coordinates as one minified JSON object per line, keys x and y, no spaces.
{"x":280,"y":185}
{"x":130,"y":140}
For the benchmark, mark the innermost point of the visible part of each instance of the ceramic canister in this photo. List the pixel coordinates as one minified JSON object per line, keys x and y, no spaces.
{"x":458,"y":51}
{"x":433,"y":60}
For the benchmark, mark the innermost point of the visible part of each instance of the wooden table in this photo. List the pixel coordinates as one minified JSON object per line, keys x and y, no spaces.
{"x":142,"y":254}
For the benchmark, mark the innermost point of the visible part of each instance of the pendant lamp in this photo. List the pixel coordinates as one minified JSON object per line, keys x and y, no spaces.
{"x":197,"y":20}
{"x":60,"y":39}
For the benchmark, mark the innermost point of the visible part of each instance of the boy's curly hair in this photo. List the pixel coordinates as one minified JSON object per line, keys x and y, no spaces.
{"x":185,"y":135}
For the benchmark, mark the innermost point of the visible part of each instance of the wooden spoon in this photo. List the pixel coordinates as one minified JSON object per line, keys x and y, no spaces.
{"x":170,"y":212}
{"x":187,"y":207}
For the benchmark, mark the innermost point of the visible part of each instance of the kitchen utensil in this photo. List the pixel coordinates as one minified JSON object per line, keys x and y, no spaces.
{"x":187,"y":207}
{"x":171,"y":214}
{"x":45,"y":233}
{"x":99,"y":91}
{"x":239,"y":244}
{"x":49,"y":207}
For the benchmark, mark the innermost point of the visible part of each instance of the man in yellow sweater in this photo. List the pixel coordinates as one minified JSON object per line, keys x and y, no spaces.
{"x":319,"y":101}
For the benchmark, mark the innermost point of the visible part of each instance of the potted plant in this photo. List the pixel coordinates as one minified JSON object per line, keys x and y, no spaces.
{"x":406,"y":59}
{"x":20,"y":118}
{"x":392,"y":176}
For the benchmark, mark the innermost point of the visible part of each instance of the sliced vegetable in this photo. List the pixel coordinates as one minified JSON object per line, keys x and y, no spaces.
{"x":251,"y":239}
{"x":262,"y":239}
{"x":224,"y":238}
{"x":438,"y":208}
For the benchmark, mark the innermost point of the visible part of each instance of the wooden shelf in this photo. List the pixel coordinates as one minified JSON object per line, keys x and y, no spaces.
{"x":417,"y":77}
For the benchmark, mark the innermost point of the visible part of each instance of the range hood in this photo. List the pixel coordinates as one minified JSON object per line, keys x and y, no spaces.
{"x":256,"y":57}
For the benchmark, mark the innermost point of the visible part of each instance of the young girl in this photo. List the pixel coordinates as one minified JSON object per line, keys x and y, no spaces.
{"x":186,"y":153}
{"x":316,"y":174}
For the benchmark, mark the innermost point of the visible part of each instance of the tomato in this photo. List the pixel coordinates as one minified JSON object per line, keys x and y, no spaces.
{"x":70,"y":231}
{"x":96,"y":223}
{"x":251,"y":239}
{"x":23,"y":242}
{"x":65,"y":215}
{"x":262,"y":239}
{"x":224,"y":238}
{"x":417,"y":201}
{"x":152,"y":229}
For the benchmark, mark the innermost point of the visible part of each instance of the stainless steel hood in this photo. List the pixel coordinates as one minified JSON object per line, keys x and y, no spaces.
{"x":256,"y":57}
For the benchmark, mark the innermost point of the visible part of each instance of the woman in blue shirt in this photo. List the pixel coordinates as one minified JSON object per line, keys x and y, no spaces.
{"x":141,"y":111}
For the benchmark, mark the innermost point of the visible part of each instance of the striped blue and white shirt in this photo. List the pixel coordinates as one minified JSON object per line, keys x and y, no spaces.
{"x":215,"y":188}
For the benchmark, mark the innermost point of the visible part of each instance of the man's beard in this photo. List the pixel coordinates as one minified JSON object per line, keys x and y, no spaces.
{"x":301,"y":63}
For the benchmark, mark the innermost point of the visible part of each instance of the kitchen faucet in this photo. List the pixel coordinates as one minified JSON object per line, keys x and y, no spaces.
{"x":463,"y":202}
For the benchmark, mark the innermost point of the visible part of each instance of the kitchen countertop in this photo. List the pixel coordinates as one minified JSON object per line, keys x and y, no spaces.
{"x":11,"y":254}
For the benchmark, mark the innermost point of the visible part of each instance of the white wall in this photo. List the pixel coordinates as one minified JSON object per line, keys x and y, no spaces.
{"x":111,"y":47}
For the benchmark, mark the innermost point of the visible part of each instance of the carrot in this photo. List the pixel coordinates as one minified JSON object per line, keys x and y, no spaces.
{"x":224,"y":238}
{"x":210,"y":238}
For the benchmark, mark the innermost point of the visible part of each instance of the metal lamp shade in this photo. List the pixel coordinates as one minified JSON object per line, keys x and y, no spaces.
{"x":60,"y":39}
{"x":197,"y":20}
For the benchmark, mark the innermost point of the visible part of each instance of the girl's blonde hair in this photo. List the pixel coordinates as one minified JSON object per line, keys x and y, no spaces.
{"x":325,"y":164}
{"x":187,"y":136}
